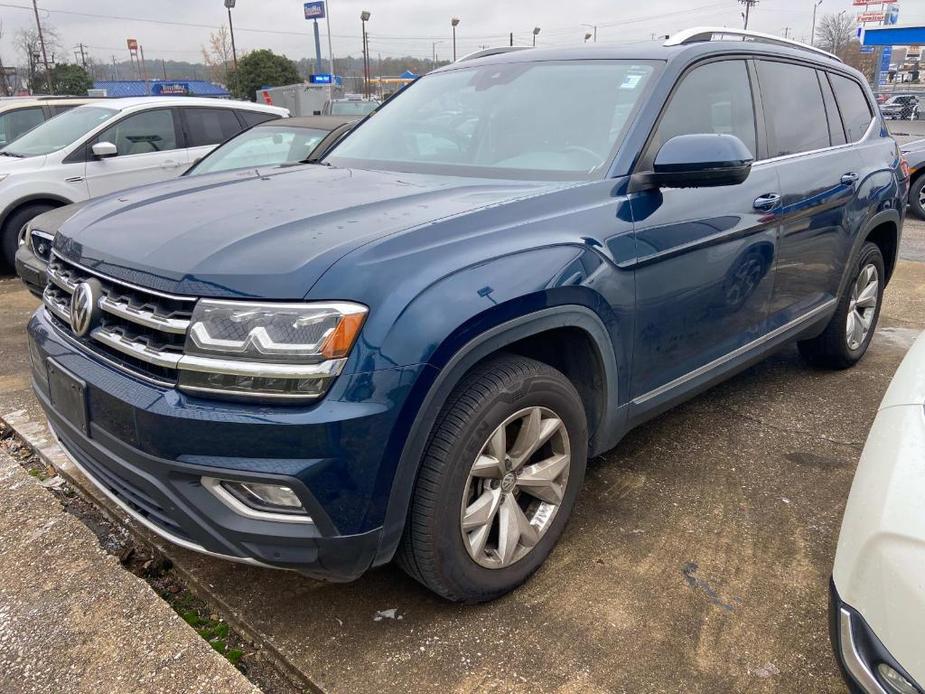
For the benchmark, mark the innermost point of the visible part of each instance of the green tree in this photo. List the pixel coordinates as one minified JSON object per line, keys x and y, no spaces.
{"x":261,"y":68}
{"x":67,"y":79}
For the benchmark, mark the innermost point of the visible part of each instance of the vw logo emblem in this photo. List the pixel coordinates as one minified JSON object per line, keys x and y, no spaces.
{"x":84,"y":307}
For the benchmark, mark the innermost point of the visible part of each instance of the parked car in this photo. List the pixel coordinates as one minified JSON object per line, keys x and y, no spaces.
{"x":350,"y":107}
{"x":878,"y":592}
{"x":410,"y":351}
{"x":18,"y":115}
{"x":901,"y":107}
{"x":914,"y":152}
{"x":110,"y":145}
{"x":292,"y":141}
{"x":273,"y":143}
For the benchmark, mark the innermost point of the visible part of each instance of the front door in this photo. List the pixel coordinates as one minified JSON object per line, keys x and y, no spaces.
{"x":705,"y":255}
{"x":148,"y":152}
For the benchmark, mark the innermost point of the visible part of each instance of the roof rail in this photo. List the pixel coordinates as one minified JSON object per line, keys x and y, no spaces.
{"x":492,"y":51}
{"x":700,"y":34}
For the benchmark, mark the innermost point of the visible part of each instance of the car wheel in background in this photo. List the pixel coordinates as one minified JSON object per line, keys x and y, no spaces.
{"x":917,"y":197}
{"x":498,"y":481}
{"x":14,"y":225}
{"x":849,"y":333}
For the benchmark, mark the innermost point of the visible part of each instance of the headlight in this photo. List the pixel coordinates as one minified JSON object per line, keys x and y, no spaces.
{"x":292,"y":351}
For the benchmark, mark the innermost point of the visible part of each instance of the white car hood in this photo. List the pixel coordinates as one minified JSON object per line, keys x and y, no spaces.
{"x":908,"y":385}
{"x":14,"y":165}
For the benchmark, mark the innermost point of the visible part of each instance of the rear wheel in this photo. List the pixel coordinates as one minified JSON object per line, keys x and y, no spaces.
{"x":851,"y":329}
{"x":14,"y":225}
{"x":917,"y":197}
{"x":498,"y":480}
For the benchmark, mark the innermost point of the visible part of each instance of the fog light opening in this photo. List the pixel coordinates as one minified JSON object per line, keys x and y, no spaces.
{"x":895,"y":683}
{"x":259,"y":500}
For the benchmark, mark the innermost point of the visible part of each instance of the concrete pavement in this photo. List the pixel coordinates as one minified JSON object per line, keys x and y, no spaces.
{"x":697,"y":560}
{"x":73,"y":621}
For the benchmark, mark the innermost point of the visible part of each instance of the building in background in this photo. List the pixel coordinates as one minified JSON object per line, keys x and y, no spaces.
{"x":123,"y":88}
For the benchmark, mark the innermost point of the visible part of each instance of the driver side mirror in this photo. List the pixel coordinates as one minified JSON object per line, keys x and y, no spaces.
{"x":702,"y":161}
{"x":105,"y":150}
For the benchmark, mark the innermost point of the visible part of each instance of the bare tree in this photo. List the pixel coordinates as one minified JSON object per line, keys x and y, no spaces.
{"x":4,"y":83}
{"x":218,"y":55}
{"x":835,"y":32}
{"x":27,"y":41}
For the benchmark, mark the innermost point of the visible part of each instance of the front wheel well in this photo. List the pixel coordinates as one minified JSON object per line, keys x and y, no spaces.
{"x":571,"y":351}
{"x":16,"y":207}
{"x":885,"y":236}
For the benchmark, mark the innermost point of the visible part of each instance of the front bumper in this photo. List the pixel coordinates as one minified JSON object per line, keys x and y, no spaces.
{"x":148,"y":448}
{"x":31,"y":270}
{"x":858,"y":650}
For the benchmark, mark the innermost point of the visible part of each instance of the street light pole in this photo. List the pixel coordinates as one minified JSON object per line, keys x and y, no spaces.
{"x":812,"y":36}
{"x":234,"y":49}
{"x":593,"y":28}
{"x":536,"y":30}
{"x":364,"y":17}
{"x":455,"y":23}
{"x":38,"y":24}
{"x":327,"y":19}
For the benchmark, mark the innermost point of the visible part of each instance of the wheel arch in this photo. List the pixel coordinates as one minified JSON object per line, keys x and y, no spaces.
{"x":47,"y":198}
{"x":884,"y":229}
{"x":517,"y":335}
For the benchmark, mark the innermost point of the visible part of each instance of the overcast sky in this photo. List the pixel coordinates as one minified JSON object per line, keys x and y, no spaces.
{"x":397,"y":27}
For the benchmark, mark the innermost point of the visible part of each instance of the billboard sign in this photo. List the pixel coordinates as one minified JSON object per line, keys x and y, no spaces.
{"x":132,"y":44}
{"x":320,"y":79}
{"x":871,"y":16}
{"x":314,"y":10}
{"x":865,"y":3}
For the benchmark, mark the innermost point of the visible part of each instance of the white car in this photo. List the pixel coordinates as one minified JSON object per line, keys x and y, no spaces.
{"x":878,"y":584}
{"x":110,"y":145}
{"x":19,"y":114}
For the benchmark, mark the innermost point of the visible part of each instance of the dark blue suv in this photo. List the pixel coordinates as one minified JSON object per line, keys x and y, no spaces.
{"x":411,"y":350}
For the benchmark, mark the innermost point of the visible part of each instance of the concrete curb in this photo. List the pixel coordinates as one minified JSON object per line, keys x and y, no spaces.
{"x":39,"y":439}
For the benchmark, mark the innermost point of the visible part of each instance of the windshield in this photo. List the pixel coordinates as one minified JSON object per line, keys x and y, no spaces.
{"x":353,"y":108}
{"x":268,"y":145}
{"x":60,"y":131}
{"x":547,"y":120}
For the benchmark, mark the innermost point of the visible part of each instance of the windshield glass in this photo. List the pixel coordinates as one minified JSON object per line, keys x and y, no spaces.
{"x":546,"y":120}
{"x":60,"y":131}
{"x":353,"y":108}
{"x":267,"y":145}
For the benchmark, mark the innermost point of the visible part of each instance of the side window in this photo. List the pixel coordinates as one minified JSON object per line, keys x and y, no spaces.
{"x":836,"y":130}
{"x":712,"y":98}
{"x":793,"y":108}
{"x":142,"y":133}
{"x":854,"y":106}
{"x":16,"y":123}
{"x":210,"y":126}
{"x":61,"y":108}
{"x":252,"y":118}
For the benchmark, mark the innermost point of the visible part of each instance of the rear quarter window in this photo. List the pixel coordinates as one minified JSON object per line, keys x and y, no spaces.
{"x":854,"y":106}
{"x":252,"y":118}
{"x":210,"y":126}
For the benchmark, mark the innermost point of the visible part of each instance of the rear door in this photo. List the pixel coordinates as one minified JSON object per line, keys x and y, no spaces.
{"x":149,"y":151}
{"x":206,"y":128}
{"x":704,"y":275}
{"x":819,"y":173}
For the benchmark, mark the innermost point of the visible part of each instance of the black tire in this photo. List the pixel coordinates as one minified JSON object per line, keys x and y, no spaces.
{"x":14,"y":224}
{"x":830,"y":350}
{"x":915,"y":197}
{"x":432,"y":549}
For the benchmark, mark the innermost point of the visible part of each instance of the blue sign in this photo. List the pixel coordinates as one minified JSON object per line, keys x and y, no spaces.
{"x":314,"y":10}
{"x":320,"y":79}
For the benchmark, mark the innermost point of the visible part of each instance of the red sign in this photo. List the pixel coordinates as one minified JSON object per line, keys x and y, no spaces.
{"x":865,"y":3}
{"x":132,"y":44}
{"x":871,"y":16}
{"x":267,"y":98}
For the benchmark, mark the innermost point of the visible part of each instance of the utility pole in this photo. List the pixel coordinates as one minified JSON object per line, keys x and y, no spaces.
{"x":748,"y":6}
{"x":38,"y":24}
{"x":786,"y":32}
{"x":812,"y":36}
{"x":164,"y":67}
{"x":144,"y":68}
{"x":364,"y":17}
{"x":327,"y":19}
{"x":454,"y":23}
{"x":83,"y":56}
{"x":512,"y":38}
{"x":115,"y":69}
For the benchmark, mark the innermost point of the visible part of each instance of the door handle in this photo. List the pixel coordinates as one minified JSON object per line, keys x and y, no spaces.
{"x":849,"y":179}
{"x":767,"y":202}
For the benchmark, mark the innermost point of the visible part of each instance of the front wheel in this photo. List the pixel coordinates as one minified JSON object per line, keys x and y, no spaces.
{"x":848,"y":334}
{"x":9,"y":240}
{"x":498,"y":480}
{"x":917,"y":197}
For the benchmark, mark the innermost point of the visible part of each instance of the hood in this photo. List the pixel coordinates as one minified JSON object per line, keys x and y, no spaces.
{"x":15,"y":165}
{"x":268,"y":235}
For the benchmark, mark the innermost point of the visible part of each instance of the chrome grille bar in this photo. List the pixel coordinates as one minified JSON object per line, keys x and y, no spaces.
{"x":136,"y":348}
{"x":143,"y":317}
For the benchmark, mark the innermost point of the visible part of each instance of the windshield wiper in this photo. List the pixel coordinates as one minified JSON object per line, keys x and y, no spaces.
{"x":12,"y":154}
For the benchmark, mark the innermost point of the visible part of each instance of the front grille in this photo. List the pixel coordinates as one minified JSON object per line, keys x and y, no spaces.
{"x":139,"y":329}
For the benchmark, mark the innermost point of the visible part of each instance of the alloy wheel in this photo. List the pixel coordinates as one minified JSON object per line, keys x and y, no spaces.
{"x":863,"y":306}
{"x":922,"y":198}
{"x":515,"y":487}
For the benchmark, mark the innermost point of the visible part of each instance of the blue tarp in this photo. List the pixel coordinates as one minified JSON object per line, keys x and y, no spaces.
{"x":123,"y":88}
{"x":408,"y":75}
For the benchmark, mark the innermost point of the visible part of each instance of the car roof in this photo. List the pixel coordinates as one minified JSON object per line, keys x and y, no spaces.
{"x":654,"y":51}
{"x":123,"y":104}
{"x":14,"y":102}
{"x":314,"y":122}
